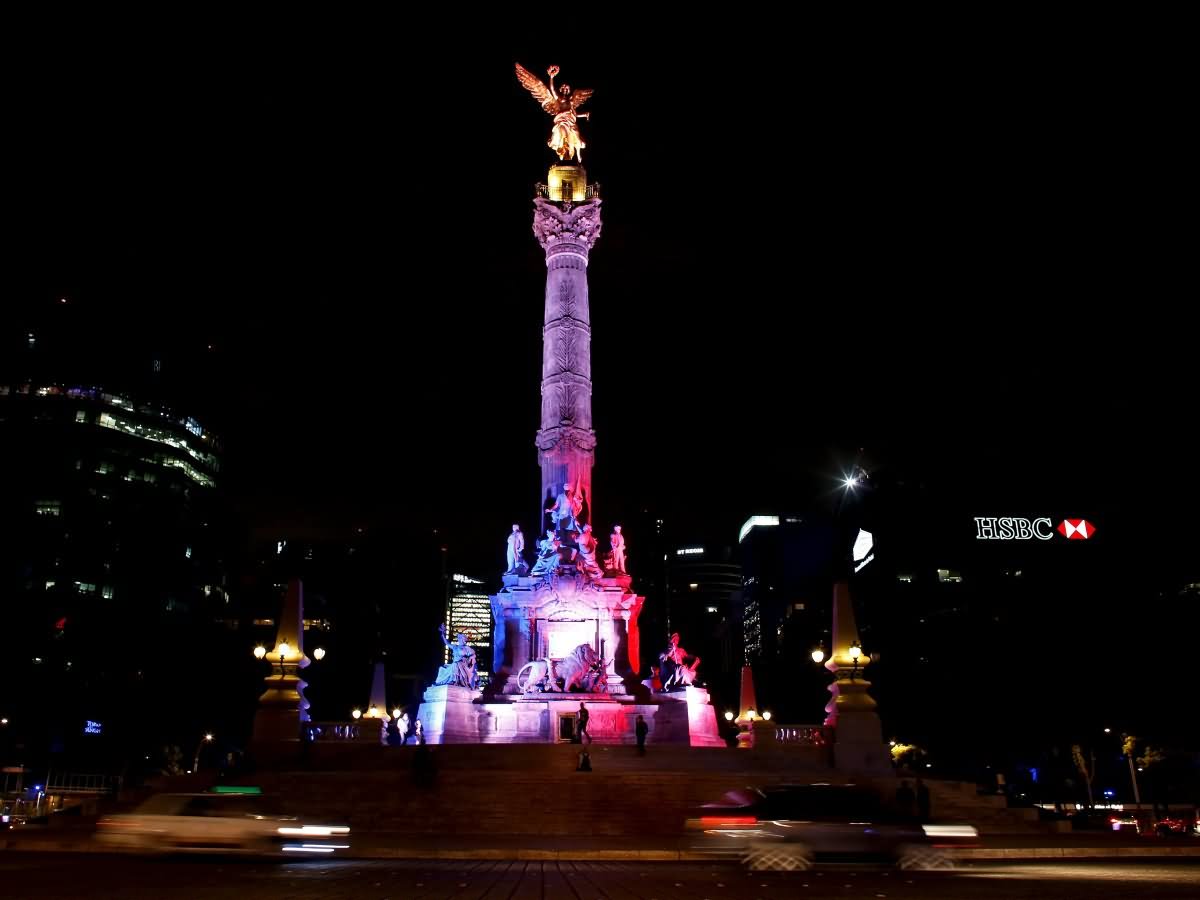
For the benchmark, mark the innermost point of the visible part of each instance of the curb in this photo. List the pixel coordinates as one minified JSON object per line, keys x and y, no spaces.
{"x":1027,"y":853}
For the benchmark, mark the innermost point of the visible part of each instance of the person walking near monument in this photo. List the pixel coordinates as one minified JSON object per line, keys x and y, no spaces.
{"x":581,"y":724}
{"x":641,"y":730}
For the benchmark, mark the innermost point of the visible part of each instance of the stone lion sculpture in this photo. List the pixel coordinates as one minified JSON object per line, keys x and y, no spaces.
{"x":546,"y":673}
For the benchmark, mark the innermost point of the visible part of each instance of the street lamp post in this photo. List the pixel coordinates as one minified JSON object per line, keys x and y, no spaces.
{"x":207,"y":739}
{"x":855,"y":651}
{"x":1128,"y":746}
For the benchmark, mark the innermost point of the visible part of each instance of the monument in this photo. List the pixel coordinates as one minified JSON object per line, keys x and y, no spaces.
{"x":566,"y":631}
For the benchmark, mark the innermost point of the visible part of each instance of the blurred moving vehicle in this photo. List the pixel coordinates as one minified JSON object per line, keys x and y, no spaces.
{"x":1176,"y":826}
{"x":218,"y":822}
{"x":793,"y":827}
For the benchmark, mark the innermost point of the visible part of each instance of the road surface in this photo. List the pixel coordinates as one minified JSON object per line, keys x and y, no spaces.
{"x":96,"y":876}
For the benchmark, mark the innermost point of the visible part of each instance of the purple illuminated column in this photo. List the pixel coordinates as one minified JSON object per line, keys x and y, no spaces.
{"x":566,"y":442}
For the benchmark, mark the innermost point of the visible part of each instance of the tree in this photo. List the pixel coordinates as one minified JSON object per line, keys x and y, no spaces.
{"x":172,"y":760}
{"x":1086,"y":767}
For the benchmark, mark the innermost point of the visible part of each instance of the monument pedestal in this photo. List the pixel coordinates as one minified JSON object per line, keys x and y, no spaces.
{"x":453,"y":715}
{"x":448,"y":714}
{"x":550,"y":617}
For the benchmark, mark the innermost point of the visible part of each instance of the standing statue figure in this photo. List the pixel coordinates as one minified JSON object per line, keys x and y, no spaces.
{"x":564,"y":137}
{"x":461,"y":669}
{"x":547,"y":554}
{"x":675,"y":670}
{"x":587,"y":554}
{"x":565,"y":511}
{"x":515,"y":552}
{"x":616,"y":559}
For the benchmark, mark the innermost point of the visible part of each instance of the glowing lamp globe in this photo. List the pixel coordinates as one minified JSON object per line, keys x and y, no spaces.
{"x":372,"y":712}
{"x":751,"y":714}
{"x":767,"y":715}
{"x":319,"y":654}
{"x":855,"y":651}
{"x":284,"y":650}
{"x":396,"y":713}
{"x":728,"y":716}
{"x":260,"y":651}
{"x":208,"y":737}
{"x":818,"y":656}
{"x":357,"y":714}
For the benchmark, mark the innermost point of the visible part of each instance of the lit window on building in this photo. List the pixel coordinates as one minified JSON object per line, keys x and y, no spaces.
{"x":187,"y":552}
{"x":85,"y":587}
{"x":264,"y":622}
{"x":50,"y":584}
{"x":751,"y":630}
{"x":469,"y":612}
{"x":904,"y":578}
{"x":799,"y":606}
{"x":81,"y":415}
{"x":712,"y":609}
{"x":756,"y":522}
{"x":48,"y":508}
{"x":162,"y":436}
{"x":949,"y":576}
{"x":107,"y":592}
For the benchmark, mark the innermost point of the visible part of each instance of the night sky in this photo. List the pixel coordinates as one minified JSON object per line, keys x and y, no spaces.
{"x":959,"y":260}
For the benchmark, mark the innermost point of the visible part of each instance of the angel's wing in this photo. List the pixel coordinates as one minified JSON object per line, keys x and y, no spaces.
{"x":534,"y":85}
{"x":578,"y":98}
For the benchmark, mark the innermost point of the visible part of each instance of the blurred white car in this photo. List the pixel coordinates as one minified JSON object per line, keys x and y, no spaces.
{"x":797,"y":826}
{"x":218,"y":822}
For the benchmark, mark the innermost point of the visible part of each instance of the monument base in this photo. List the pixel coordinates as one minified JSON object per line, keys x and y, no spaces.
{"x":858,"y":747}
{"x":456,"y":715}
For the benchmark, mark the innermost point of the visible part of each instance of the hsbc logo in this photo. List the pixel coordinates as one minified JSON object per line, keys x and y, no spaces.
{"x":991,"y":528}
{"x":1076,"y":529}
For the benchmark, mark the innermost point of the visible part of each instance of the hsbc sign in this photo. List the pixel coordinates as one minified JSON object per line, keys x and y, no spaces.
{"x":991,"y":528}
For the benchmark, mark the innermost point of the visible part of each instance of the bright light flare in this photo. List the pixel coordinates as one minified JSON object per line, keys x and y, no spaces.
{"x":943,"y":831}
{"x":314,"y":830}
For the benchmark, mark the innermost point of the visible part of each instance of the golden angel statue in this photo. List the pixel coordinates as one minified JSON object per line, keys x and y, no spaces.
{"x":564,"y":138}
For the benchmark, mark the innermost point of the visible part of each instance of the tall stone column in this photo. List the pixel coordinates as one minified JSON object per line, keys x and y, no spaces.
{"x":282,"y":708}
{"x":857,"y":734}
{"x":566,"y":442}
